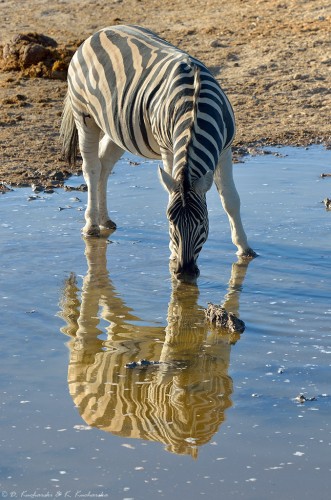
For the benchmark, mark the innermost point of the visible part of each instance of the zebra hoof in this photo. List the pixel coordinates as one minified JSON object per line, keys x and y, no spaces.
{"x":249,"y":254}
{"x":109,"y":224}
{"x":92,"y":231}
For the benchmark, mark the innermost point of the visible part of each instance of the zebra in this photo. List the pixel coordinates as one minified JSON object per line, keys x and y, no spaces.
{"x":130,"y":90}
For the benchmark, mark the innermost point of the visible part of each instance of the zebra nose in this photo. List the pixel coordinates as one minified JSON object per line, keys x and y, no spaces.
{"x":187,"y":272}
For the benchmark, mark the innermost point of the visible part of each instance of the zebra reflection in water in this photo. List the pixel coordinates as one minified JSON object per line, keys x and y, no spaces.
{"x":181,"y":401}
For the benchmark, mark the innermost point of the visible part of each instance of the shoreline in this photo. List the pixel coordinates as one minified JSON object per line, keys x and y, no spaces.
{"x":271,"y":59}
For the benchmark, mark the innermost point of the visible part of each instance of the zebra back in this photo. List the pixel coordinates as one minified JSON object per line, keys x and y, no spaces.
{"x":149,"y":96}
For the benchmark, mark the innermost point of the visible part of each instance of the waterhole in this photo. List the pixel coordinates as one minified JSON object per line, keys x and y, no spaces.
{"x":211,"y":413}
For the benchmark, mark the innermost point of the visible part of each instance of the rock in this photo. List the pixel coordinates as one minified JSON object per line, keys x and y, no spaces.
{"x":4,"y":188}
{"x":33,"y":54}
{"x":57,"y":176}
{"x":232,"y":57}
{"x":217,"y":44}
{"x":37,"y":188}
{"x":81,"y":187}
{"x":220,"y":317}
{"x":133,"y":364}
{"x":301,"y":398}
{"x":33,"y":198}
{"x":327,"y":203}
{"x":36,"y":55}
{"x":142,"y":363}
{"x":44,"y":40}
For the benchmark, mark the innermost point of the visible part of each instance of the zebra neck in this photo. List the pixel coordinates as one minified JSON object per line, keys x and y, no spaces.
{"x":191,"y":158}
{"x":185,"y":123}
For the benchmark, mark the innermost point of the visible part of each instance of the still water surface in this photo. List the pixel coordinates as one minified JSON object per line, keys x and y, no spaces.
{"x":218,"y":416}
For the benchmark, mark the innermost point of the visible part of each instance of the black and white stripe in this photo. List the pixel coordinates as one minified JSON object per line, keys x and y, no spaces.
{"x":145,"y":96}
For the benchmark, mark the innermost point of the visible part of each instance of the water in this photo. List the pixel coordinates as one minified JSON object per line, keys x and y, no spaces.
{"x":218,"y":416}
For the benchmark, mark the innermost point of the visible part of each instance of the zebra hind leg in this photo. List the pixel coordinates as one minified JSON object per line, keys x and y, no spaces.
{"x":109,"y":154}
{"x":89,"y":136}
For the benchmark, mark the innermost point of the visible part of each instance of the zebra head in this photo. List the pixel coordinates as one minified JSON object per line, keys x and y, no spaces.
{"x":188,"y":222}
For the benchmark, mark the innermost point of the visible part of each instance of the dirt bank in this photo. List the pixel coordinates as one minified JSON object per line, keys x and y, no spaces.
{"x":273,"y":57}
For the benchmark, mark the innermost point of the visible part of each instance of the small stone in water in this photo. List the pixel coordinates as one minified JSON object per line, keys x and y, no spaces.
{"x":37,"y":188}
{"x":327,"y":203}
{"x":219,"y":316}
{"x":133,"y":364}
{"x":142,"y":363}
{"x":81,"y":187}
{"x":301,"y":398}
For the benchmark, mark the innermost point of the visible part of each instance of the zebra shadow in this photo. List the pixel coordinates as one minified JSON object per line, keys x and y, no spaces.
{"x":180,"y":400}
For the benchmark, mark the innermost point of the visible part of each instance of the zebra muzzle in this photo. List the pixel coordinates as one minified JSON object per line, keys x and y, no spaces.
{"x":187,"y":272}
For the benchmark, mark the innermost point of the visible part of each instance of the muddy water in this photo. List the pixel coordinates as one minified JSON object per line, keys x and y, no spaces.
{"x":217,"y":414}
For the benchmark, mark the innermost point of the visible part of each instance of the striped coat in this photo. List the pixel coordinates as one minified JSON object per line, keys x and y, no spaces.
{"x":180,"y":402}
{"x":129,"y":90}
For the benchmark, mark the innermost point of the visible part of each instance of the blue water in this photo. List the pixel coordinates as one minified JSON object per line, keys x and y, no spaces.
{"x":219,"y":416}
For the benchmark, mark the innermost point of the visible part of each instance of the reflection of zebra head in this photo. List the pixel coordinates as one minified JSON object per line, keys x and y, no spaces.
{"x":188,"y":221}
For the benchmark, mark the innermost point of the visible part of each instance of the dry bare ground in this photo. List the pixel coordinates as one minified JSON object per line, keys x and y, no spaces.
{"x":273,"y":57}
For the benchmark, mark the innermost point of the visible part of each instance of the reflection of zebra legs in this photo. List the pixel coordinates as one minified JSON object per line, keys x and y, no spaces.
{"x":238,"y":274}
{"x":190,"y":329}
{"x":181,"y":402}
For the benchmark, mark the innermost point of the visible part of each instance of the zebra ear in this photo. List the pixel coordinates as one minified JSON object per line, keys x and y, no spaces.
{"x":202,"y":185}
{"x":168,"y":182}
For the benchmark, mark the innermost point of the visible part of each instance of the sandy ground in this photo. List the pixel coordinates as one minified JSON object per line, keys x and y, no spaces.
{"x":273,"y":58}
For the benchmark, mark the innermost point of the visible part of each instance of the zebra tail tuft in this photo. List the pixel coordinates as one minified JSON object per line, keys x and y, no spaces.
{"x":69,"y":133}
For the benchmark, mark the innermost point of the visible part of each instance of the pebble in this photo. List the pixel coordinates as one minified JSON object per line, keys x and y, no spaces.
{"x":217,"y":44}
{"x":141,"y":363}
{"x":301,"y":398}
{"x":37,"y":188}
{"x":327,"y":203}
{"x":220,"y":317}
{"x":82,"y":187}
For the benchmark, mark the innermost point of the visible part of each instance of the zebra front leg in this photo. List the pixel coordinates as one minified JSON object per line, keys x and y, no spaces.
{"x":226,"y":188}
{"x":109,"y":153}
{"x":168,"y":162}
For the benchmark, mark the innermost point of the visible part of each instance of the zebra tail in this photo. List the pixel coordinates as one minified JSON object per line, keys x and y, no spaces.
{"x":68,"y":133}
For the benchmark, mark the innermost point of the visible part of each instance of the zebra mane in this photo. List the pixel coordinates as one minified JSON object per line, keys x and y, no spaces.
{"x":185,"y":177}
